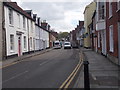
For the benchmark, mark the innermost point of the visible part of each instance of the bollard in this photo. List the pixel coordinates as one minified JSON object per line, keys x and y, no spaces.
{"x":86,"y":76}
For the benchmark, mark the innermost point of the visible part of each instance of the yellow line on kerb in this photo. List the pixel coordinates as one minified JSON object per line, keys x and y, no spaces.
{"x":67,"y":85}
{"x":67,"y":82}
{"x":9,"y":64}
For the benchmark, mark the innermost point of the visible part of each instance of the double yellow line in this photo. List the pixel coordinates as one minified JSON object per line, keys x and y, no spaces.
{"x":68,"y":81}
{"x":10,"y":64}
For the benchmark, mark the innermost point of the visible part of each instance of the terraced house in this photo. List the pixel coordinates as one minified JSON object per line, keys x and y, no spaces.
{"x":18,"y":25}
{"x":105,"y":27}
{"x":113,"y":31}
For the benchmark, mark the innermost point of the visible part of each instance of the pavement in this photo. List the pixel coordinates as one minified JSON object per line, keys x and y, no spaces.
{"x":102,"y":72}
{"x":14,"y":60}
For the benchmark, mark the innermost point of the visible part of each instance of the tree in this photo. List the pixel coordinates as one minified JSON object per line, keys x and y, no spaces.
{"x":62,"y":35}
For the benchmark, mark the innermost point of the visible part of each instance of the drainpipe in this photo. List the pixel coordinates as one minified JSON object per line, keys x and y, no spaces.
{"x":4,"y":51}
{"x":1,"y":29}
{"x":119,"y":43}
{"x":28,"y":37}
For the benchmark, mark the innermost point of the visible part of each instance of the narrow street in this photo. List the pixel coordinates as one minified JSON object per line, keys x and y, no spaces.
{"x":48,"y":70}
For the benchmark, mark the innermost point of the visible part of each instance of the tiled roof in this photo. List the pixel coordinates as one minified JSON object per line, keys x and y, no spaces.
{"x":14,"y":6}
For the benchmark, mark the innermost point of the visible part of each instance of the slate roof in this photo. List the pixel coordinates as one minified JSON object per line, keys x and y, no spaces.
{"x":18,"y":9}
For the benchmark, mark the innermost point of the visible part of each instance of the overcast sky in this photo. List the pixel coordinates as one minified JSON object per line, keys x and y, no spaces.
{"x":62,"y":15}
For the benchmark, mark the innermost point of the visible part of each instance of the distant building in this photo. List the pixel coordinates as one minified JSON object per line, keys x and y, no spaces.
{"x":53,"y":37}
{"x":89,"y":10}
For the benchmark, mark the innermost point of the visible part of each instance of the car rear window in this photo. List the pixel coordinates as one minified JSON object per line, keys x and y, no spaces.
{"x":66,"y":43}
{"x":57,"y":43}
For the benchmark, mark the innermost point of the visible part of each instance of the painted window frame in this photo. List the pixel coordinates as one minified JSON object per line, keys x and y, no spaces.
{"x":118,"y":5}
{"x":98,"y":39}
{"x":111,"y":38}
{"x":101,"y":11}
{"x":30,"y":42}
{"x":25,"y":42}
{"x":18,"y":15}
{"x":31,"y":26}
{"x":11,"y":42}
{"x":24,"y":22}
{"x":10,"y":11}
{"x":110,"y":9}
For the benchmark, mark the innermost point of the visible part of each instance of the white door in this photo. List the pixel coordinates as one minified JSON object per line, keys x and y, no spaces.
{"x":103,"y":33}
{"x":119,"y":41}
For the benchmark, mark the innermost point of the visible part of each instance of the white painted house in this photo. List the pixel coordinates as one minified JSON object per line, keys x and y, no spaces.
{"x":44,"y":38}
{"x":41,"y":35}
{"x":19,"y":28}
{"x":37,"y":33}
{"x":31,"y":31}
{"x":101,"y":26}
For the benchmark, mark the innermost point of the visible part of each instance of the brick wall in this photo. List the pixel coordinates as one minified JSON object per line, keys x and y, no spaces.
{"x":112,"y":21}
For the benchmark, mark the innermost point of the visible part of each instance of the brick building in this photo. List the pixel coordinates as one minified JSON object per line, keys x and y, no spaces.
{"x":113,"y":30}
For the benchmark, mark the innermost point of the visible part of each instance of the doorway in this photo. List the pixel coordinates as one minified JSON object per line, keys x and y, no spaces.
{"x":19,"y":45}
{"x":103,"y":34}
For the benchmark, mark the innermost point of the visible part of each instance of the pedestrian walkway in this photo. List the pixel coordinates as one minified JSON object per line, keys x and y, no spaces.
{"x":16,"y":59}
{"x":102,"y":72}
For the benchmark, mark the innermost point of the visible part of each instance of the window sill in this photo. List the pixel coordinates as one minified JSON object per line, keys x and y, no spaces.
{"x":25,"y":49}
{"x":110,"y":17}
{"x":111,"y":51}
{"x":11,"y":25}
{"x":24,"y":29}
{"x":11,"y":51}
{"x":118,"y":10}
{"x":18,"y":27}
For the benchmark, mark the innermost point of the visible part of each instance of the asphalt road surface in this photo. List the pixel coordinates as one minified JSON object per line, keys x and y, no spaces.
{"x":48,"y":70}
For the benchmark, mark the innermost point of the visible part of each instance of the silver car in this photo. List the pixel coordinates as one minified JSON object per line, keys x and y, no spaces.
{"x":67,"y":45}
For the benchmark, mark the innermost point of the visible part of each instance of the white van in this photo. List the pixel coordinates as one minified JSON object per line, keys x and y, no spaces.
{"x":57,"y":45}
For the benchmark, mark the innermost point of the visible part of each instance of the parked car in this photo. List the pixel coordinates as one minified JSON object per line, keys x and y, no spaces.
{"x":67,"y":45}
{"x":57,"y":45}
{"x":74,"y":45}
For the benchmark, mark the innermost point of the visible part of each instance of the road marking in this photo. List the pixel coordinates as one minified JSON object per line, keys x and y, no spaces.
{"x":67,"y":85}
{"x":44,"y":63}
{"x":1,"y":67}
{"x":10,"y":64}
{"x":67,"y":82}
{"x":94,"y":77}
{"x":15,"y":76}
